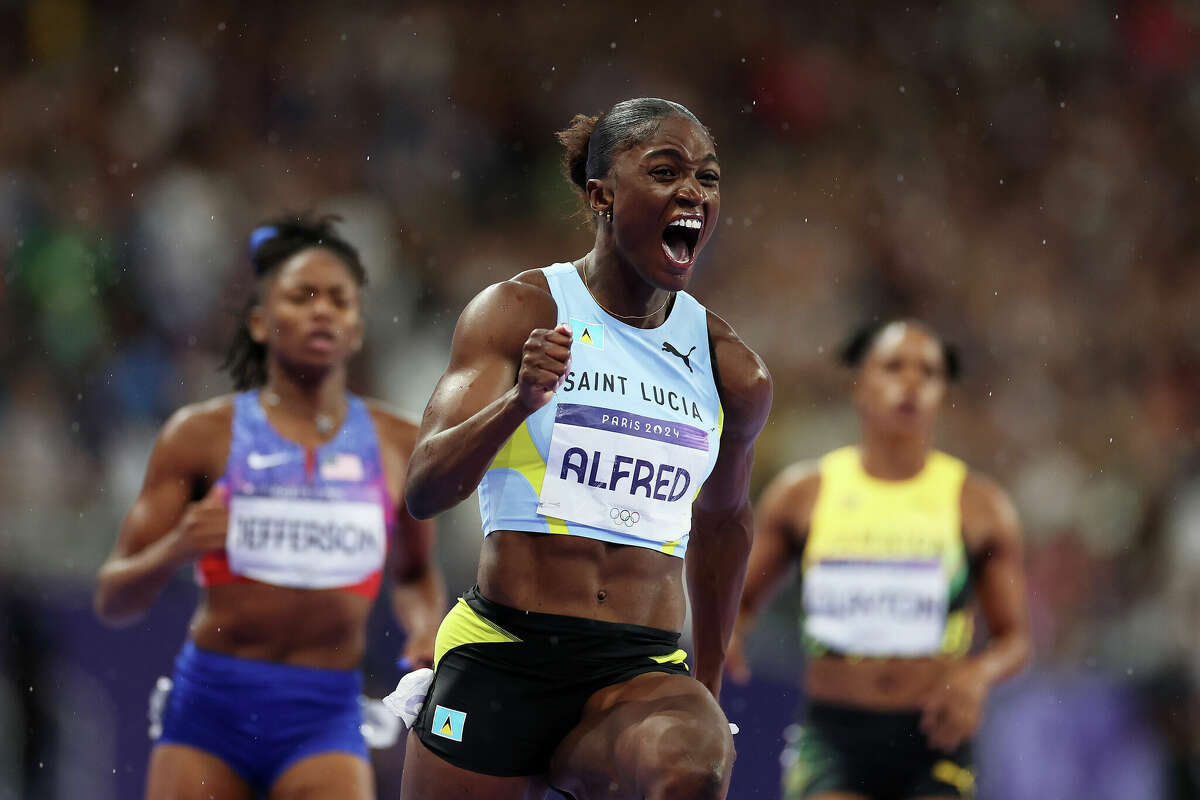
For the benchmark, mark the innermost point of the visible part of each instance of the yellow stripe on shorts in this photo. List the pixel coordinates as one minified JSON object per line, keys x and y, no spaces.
{"x":678,"y":657}
{"x":463,"y":626}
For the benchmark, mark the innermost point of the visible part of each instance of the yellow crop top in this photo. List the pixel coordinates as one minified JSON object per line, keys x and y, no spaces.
{"x":884,"y":568}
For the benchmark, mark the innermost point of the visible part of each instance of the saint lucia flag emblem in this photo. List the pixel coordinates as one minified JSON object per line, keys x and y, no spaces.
{"x":448,"y":723}
{"x":589,"y":333}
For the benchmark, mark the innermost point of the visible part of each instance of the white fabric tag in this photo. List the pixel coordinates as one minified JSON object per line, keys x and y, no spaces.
{"x":303,"y":543}
{"x":877,"y":608}
{"x":623,"y":472}
{"x":408,"y":697}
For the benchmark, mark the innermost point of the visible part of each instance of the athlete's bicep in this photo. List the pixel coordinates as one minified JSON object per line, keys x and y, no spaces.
{"x":485,"y":352}
{"x":778,"y":536}
{"x":166,"y":491}
{"x":1000,"y":558}
{"x":746,"y":401}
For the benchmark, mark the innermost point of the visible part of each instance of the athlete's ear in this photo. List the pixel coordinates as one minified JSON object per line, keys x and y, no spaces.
{"x":599,"y":196}
{"x":256,"y":323}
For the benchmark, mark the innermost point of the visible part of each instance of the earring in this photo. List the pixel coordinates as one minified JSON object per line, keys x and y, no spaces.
{"x":608,"y":215}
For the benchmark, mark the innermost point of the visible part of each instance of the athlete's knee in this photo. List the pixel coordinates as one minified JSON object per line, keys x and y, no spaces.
{"x":689,"y":761}
{"x":694,"y":780}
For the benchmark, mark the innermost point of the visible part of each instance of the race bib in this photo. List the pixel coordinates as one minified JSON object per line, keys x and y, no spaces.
{"x":623,"y":472}
{"x":306,"y":544}
{"x":876,"y":608}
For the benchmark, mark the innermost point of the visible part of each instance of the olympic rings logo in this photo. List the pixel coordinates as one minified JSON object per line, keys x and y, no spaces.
{"x":623,"y":516}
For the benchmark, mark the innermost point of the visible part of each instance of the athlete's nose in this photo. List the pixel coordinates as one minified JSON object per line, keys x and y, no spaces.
{"x":322,"y":306}
{"x":690,"y":193}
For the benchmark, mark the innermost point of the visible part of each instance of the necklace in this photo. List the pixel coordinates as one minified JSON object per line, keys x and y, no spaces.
{"x":670,"y":295}
{"x":324,"y":422}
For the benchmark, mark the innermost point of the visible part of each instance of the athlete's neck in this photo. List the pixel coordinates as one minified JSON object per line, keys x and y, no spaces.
{"x":893,"y":457}
{"x":322,"y":402}
{"x":619,"y":290}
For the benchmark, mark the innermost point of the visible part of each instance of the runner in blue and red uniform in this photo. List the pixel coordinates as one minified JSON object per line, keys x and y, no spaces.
{"x":287,"y":497}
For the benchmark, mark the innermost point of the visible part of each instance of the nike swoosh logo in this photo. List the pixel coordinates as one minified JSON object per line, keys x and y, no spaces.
{"x":267,"y":460}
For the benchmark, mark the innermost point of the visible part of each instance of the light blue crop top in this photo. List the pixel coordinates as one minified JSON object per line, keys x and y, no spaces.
{"x":624,"y":446}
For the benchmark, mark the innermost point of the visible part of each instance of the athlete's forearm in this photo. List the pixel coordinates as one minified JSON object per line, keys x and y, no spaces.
{"x":419,"y":604}
{"x":448,"y":465}
{"x":764,"y":569}
{"x":127,"y":587}
{"x":1004,"y":657}
{"x":716,"y":570}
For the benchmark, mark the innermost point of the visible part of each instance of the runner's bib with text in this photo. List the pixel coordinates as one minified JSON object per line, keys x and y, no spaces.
{"x":623,"y":472}
{"x":305,"y":543}
{"x":877,"y":607}
{"x":627,"y":440}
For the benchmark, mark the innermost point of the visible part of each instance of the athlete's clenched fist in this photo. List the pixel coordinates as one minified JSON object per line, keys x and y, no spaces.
{"x":545,"y":361}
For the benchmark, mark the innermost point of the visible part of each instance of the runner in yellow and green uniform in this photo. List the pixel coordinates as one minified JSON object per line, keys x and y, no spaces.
{"x":895,"y":541}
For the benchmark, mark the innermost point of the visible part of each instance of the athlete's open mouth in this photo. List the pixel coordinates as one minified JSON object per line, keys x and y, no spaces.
{"x":680,"y":238}
{"x":321,"y":340}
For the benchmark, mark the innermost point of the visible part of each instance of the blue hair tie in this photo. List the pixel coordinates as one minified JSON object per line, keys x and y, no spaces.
{"x":260,"y":235}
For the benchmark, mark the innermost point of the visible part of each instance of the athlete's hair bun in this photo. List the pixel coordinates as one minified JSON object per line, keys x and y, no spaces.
{"x":574,"y":139}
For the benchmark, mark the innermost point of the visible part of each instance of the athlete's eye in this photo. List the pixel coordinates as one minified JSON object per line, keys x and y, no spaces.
{"x":663,"y":172}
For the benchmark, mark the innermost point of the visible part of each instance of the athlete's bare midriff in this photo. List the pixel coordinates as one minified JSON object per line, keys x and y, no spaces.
{"x":303,"y":627}
{"x":581,"y":577}
{"x":875,"y":684}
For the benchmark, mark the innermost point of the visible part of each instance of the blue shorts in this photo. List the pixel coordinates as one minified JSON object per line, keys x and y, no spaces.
{"x":261,"y":717}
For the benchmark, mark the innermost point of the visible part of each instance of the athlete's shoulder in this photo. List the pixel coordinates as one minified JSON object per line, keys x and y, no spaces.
{"x":523,"y":298}
{"x":204,"y":418}
{"x":392,"y":425}
{"x":796,"y":483}
{"x":745,"y":382}
{"x":198,"y":433}
{"x":987,"y":510}
{"x":787,"y":503}
{"x":533,"y":278}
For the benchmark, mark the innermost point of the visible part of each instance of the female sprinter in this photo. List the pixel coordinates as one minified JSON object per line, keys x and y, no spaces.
{"x":893,"y":538}
{"x":607,"y":420}
{"x":287,"y":495}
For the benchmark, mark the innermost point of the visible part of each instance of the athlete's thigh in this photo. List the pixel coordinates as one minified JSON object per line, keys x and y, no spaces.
{"x":326,"y":776}
{"x":630,"y":730}
{"x":427,"y":776}
{"x":179,"y":772}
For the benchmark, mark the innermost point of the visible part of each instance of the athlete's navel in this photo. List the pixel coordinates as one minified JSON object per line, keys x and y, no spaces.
{"x":601,"y":595}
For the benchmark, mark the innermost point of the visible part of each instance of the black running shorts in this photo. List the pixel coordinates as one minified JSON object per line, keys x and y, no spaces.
{"x":882,"y":755}
{"x":510,"y":684}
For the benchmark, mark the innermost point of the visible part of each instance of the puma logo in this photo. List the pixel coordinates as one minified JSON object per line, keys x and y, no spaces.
{"x":670,"y":348}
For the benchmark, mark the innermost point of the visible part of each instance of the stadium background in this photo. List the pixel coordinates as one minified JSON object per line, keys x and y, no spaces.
{"x":1021,"y":173}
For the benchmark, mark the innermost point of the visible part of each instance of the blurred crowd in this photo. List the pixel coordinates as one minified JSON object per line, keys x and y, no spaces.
{"x":1022,"y":174}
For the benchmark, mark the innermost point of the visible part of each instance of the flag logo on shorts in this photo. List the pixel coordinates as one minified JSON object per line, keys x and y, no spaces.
{"x":589,"y":333}
{"x":448,"y":723}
